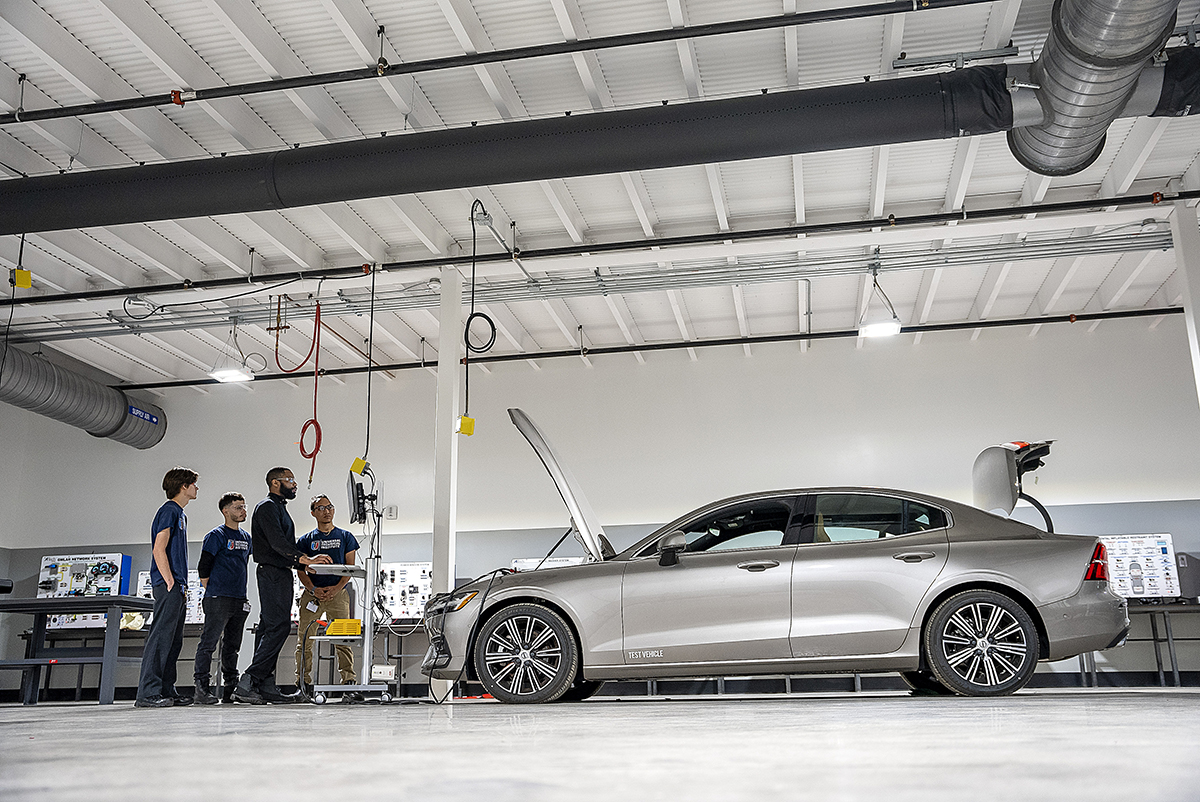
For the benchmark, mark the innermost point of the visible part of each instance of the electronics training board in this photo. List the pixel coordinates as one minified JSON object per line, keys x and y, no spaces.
{"x":82,"y":575}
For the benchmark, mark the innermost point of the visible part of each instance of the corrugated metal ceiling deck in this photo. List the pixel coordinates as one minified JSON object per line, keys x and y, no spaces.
{"x":55,"y":41}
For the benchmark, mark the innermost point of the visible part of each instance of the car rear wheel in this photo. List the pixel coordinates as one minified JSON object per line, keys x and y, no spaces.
{"x":526,"y":654}
{"x":981,"y":643}
{"x":581,"y":689}
{"x":924,"y":683}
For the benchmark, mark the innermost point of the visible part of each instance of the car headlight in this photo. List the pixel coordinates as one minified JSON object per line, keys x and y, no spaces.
{"x":449,"y":602}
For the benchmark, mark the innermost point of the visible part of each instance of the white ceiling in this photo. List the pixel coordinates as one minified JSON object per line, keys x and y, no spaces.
{"x":77,"y":51}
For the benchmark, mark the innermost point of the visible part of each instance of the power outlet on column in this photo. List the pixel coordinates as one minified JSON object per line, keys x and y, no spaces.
{"x":391,"y":512}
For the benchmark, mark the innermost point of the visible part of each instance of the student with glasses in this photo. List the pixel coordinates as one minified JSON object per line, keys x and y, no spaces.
{"x":273,"y":542}
{"x":324,"y":594}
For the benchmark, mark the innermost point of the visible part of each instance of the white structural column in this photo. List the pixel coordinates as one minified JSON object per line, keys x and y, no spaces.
{"x":1187,"y":257}
{"x":445,"y":440}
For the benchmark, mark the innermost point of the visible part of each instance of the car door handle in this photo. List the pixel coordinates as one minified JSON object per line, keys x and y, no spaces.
{"x":758,"y":566}
{"x":914,"y":556}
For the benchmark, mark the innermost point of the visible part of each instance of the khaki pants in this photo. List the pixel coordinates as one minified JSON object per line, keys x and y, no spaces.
{"x":337,"y":607}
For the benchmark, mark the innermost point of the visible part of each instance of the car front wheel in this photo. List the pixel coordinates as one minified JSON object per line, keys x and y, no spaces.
{"x":526,"y":654}
{"x":981,"y":643}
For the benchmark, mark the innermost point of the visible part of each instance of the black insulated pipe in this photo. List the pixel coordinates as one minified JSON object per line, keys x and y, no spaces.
{"x":964,"y":102}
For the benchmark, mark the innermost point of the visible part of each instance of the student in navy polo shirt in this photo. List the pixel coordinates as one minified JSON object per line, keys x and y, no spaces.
{"x":222,"y":571}
{"x":324,"y":594}
{"x":168,"y":576}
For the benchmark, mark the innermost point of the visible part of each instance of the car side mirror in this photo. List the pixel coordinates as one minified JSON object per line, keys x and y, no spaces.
{"x":669,"y":546}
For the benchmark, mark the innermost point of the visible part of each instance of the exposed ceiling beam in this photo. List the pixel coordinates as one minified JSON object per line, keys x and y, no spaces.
{"x":879,"y":179}
{"x":617,"y":307}
{"x":922,"y":309}
{"x":251,"y":29}
{"x":739,"y":308}
{"x":681,"y":318}
{"x":1135,"y":150}
{"x":160,"y":44}
{"x":360,"y":29}
{"x":510,"y":328}
{"x":61,"y":51}
{"x":559,"y":312}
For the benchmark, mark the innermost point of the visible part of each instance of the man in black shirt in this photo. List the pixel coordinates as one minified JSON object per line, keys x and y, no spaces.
{"x":273,"y":544}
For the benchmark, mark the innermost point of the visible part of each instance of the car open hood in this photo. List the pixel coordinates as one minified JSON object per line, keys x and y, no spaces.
{"x":583,"y":520}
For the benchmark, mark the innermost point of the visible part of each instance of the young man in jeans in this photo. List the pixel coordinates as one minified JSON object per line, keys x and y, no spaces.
{"x":222,"y":572}
{"x":168,"y":576}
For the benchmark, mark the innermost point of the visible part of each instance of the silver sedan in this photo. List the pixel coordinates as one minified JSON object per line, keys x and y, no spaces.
{"x":839,"y":579}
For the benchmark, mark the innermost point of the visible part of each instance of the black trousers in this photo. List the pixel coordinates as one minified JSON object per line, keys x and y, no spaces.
{"x":224,"y":618}
{"x":275,"y":588}
{"x":163,"y":643}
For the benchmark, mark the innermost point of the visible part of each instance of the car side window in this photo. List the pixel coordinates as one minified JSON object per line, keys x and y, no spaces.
{"x":845,"y":517}
{"x":755,"y":524}
{"x":921,"y":517}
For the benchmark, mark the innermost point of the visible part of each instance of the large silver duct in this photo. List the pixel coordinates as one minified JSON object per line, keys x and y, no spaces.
{"x":39,"y":386}
{"x":1087,"y":72}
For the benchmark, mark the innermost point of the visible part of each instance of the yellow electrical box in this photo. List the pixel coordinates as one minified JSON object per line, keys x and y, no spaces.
{"x":466,"y":425}
{"x":344,"y":626}
{"x":358,"y":466}
{"x":22,"y":279}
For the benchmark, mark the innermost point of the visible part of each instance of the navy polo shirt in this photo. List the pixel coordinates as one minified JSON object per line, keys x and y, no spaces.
{"x":231,"y":551}
{"x":170,"y":516}
{"x":336,"y":543}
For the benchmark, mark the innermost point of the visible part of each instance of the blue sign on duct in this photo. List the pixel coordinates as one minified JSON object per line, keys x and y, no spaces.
{"x":143,"y":414}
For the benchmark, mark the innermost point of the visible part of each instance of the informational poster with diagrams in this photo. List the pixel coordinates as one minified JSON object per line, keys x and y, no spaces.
{"x":1142,"y":566}
{"x":406,"y":587}
{"x":82,"y":575}
{"x":195,"y":596}
{"x":531,"y":563}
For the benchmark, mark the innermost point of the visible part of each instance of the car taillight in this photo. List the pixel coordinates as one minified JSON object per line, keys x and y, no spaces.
{"x":1098,"y":567}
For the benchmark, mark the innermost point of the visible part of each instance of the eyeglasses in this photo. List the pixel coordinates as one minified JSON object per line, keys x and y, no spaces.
{"x":324,"y":508}
{"x":287,"y":479}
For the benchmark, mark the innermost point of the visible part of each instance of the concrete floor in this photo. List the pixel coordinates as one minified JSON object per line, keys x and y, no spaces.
{"x":1057,"y":745}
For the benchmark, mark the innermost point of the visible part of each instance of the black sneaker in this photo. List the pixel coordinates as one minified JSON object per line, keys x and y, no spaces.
{"x":227,"y":693}
{"x":154,"y":701}
{"x":204,"y":694}
{"x":248,"y":694}
{"x":183,"y":700}
{"x":352,"y":697}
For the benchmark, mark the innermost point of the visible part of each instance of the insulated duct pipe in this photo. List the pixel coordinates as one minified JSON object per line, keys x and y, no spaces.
{"x":1086,"y":74}
{"x":936,"y":106}
{"x":966,"y":102}
{"x":39,"y":386}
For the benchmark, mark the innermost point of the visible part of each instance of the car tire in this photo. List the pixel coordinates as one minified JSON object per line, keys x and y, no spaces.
{"x":582,"y":689}
{"x":981,"y":643}
{"x":924,"y":683}
{"x":526,"y":654}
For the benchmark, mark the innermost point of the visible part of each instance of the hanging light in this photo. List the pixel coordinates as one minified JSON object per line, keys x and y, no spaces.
{"x":888,"y":327}
{"x":239,"y":370}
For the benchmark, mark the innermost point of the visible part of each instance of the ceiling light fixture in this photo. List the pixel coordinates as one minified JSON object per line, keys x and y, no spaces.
{"x":240,"y":371}
{"x":888,"y":327}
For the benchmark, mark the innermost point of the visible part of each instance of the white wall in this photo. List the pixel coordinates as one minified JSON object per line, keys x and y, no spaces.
{"x":650,"y":441}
